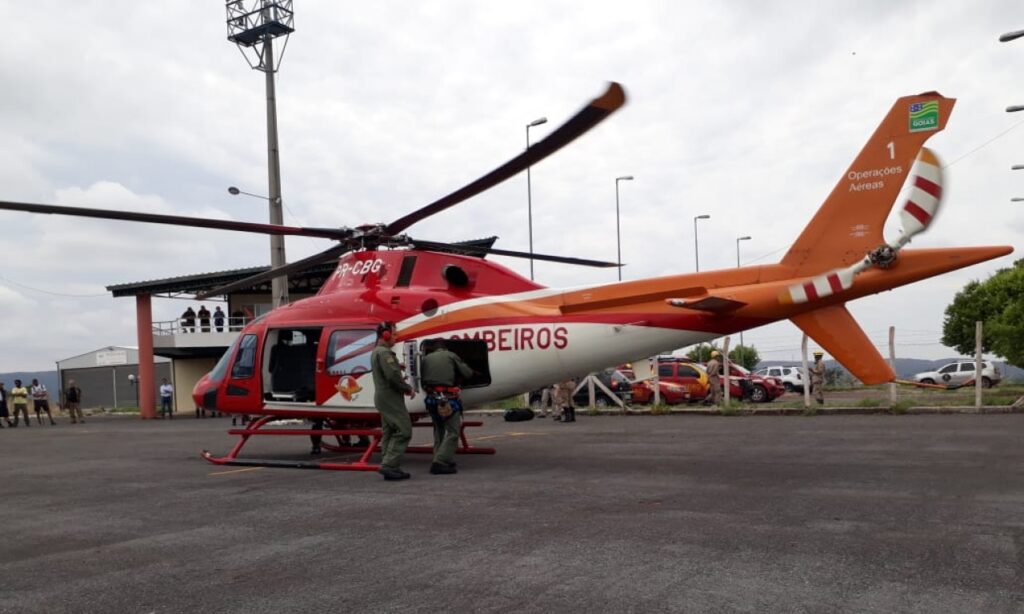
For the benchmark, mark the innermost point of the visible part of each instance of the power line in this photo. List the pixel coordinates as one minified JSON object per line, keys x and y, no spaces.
{"x":41,"y":291}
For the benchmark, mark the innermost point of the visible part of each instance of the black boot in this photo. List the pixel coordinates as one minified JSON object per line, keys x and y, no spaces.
{"x":571,"y":414}
{"x":442,"y":469}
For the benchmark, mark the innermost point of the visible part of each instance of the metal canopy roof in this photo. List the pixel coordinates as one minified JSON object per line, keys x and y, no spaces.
{"x":307,"y":281}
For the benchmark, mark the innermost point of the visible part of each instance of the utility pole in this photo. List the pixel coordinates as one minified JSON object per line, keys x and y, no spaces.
{"x":253,"y":25}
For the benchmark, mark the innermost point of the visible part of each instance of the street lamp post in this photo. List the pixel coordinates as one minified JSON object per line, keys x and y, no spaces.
{"x":696,"y":251}
{"x":738,"y":239}
{"x":529,"y":195}
{"x":235,"y":192}
{"x":252,"y":26}
{"x":133,"y":381}
{"x":618,"y":235}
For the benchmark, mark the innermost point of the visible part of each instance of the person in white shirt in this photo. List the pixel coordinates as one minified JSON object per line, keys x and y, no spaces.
{"x":166,"y":397}
{"x":41,"y":402}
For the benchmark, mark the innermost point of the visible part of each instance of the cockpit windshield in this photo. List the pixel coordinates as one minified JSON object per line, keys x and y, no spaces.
{"x":221,"y":368}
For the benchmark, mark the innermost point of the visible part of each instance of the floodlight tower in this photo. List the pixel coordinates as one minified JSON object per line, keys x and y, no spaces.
{"x":253,"y":25}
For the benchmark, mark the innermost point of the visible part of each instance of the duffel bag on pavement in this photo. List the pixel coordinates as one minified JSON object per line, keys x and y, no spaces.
{"x":519,"y":414}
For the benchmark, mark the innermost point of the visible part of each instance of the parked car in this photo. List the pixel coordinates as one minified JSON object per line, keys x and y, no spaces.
{"x":684,"y":373}
{"x":791,"y":378}
{"x":757,"y":388}
{"x":742,"y":383}
{"x":613,"y":379}
{"x":643,"y":391}
{"x":961,"y":372}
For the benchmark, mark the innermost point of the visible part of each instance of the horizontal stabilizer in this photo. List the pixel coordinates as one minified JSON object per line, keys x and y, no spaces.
{"x":586,"y":302}
{"x":835,"y":330}
{"x":713,"y":304}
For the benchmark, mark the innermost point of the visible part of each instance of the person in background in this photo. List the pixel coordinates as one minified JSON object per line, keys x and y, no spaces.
{"x":237,"y":319}
{"x":818,"y":378}
{"x":73,"y":401}
{"x":4,"y":415}
{"x":188,"y":321}
{"x":714,"y":369}
{"x":166,"y":399}
{"x":564,"y":408}
{"x":19,"y":400}
{"x":204,"y":319}
{"x":218,"y":319}
{"x":41,"y":402}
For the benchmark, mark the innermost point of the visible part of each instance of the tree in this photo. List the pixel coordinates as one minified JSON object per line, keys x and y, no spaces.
{"x":745,"y":355}
{"x":998,"y":302}
{"x":702,"y":352}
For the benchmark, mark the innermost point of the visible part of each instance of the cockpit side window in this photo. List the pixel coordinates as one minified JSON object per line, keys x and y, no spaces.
{"x":245,"y":363}
{"x":348,"y":351}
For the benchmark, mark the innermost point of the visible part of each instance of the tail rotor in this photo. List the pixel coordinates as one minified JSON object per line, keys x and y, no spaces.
{"x":916,"y":216}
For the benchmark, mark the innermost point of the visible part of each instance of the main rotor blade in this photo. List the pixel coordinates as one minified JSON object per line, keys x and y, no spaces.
{"x":287,"y":269}
{"x":588,"y":117}
{"x":475,"y":249}
{"x":179,"y":220}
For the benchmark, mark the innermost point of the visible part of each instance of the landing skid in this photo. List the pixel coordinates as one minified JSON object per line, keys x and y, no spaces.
{"x":257,"y":427}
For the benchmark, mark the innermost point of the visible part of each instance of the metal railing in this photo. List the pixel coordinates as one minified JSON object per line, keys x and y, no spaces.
{"x":178,"y":327}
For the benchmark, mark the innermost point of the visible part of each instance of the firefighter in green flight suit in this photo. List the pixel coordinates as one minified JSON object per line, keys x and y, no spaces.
{"x":389,"y":387}
{"x":438,"y":372}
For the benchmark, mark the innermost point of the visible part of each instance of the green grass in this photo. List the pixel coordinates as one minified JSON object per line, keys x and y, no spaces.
{"x":121,"y":410}
{"x":507,"y":403}
{"x":901,"y":406}
{"x":659,"y":410}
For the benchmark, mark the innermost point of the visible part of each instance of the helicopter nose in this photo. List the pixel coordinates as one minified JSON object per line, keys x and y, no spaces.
{"x":204,"y":394}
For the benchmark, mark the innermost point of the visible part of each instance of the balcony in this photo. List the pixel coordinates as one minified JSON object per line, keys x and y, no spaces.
{"x":173,"y":340}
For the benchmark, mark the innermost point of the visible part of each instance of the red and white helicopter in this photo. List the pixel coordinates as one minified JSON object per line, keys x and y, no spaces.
{"x":310,"y":359}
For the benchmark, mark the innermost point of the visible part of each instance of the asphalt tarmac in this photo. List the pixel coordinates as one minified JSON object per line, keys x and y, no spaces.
{"x":874,"y":513}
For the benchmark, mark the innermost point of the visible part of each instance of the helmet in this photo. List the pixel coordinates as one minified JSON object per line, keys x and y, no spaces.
{"x":818,"y":354}
{"x":715,"y":354}
{"x":386,"y":330}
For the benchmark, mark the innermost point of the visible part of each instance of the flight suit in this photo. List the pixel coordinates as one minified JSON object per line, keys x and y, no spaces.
{"x":388,"y":397}
{"x":818,"y":380}
{"x":714,"y":369}
{"x":438,"y":369}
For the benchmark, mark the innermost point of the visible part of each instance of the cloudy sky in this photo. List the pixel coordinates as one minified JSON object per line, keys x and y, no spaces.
{"x":746,"y":111}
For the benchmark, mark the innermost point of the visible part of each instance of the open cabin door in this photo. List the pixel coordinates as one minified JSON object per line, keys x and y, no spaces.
{"x":473,"y":352}
{"x":289,"y":364}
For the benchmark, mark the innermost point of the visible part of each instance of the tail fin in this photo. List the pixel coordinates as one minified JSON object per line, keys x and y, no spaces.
{"x":850,"y":222}
{"x":835,"y":330}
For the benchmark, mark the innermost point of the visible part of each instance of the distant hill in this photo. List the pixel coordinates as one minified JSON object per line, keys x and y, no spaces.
{"x":908,"y":367}
{"x":47,"y":378}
